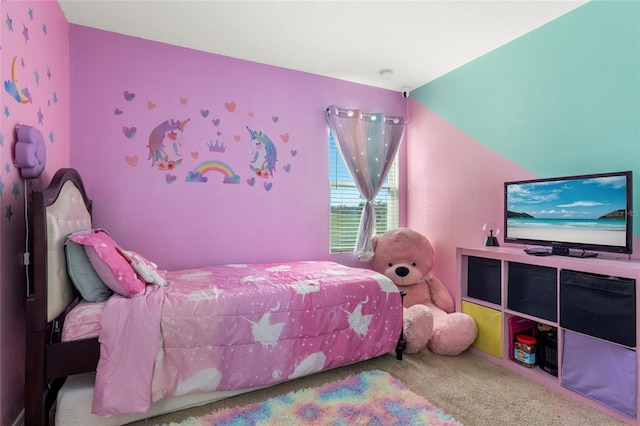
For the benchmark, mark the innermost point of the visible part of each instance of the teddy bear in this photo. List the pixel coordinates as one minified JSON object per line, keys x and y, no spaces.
{"x":406,"y":257}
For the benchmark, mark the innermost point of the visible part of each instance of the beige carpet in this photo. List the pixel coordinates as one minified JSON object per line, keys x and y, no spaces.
{"x":473,"y":390}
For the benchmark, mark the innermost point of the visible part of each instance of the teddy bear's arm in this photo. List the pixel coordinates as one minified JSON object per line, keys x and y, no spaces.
{"x":440,"y":295}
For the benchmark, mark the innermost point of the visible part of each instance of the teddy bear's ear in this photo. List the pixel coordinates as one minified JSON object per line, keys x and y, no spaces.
{"x":374,"y":242}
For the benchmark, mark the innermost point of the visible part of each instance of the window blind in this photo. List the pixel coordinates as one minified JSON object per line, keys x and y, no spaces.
{"x":347,"y":204}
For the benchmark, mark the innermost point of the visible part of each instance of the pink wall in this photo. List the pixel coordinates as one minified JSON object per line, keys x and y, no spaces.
{"x":37,"y":33}
{"x":174,"y":222}
{"x":123,"y":88}
{"x":455,"y":187}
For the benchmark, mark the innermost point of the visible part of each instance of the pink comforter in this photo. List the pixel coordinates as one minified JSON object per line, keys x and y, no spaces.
{"x":241,"y":326}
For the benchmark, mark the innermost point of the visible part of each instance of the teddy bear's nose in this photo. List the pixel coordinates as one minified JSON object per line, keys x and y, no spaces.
{"x":402,"y":271}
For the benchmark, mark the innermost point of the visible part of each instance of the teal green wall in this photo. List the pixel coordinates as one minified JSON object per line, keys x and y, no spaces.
{"x":563,"y":99}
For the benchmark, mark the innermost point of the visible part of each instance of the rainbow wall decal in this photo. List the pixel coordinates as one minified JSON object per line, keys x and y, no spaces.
{"x":197,"y":175}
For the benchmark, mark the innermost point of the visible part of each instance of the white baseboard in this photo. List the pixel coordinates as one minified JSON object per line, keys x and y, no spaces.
{"x":20,"y":420}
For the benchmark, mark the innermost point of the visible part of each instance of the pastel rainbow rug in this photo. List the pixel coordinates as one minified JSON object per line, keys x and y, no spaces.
{"x":369,"y":398}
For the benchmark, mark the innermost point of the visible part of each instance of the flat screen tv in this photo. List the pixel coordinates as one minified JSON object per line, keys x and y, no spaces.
{"x":571,"y":215}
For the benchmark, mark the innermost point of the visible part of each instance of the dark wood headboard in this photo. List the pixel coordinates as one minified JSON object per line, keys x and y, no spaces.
{"x":63,"y":207}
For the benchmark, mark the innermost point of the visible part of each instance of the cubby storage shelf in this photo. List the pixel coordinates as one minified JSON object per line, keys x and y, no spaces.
{"x":591,"y":305}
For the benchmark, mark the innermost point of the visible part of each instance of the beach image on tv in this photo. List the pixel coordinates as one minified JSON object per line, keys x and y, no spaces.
{"x":586,"y":210}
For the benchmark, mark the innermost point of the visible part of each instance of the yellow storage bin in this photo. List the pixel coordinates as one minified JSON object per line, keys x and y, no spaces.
{"x":489,"y":323}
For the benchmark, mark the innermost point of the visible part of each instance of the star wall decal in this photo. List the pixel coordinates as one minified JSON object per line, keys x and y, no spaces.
{"x":7,"y":167}
{"x":49,"y":72}
{"x":6,"y":111}
{"x":1,"y":139}
{"x":37,"y":77}
{"x":9,"y":212}
{"x":16,"y":189}
{"x":1,"y":186}
{"x":51,"y":136}
{"x":40,"y":116}
{"x":55,"y":98}
{"x":44,"y":29}
{"x":9,"y":22}
{"x":25,"y":33}
{"x":31,"y":14}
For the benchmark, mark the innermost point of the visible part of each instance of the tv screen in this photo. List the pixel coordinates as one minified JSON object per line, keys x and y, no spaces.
{"x":571,"y":214}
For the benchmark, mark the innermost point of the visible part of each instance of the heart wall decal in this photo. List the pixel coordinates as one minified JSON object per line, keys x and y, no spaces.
{"x":230,"y":106}
{"x":129,"y":132}
{"x":131,"y":160}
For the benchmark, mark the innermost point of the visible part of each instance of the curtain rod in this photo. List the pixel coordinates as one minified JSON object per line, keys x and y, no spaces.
{"x":394,"y":119}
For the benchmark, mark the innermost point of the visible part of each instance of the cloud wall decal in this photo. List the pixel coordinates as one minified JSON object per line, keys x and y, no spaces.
{"x":30,"y":151}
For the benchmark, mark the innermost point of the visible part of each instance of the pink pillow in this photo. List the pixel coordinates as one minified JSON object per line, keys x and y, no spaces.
{"x":110,"y":266}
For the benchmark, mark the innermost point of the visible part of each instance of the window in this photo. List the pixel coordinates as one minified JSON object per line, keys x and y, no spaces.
{"x":347,"y":204}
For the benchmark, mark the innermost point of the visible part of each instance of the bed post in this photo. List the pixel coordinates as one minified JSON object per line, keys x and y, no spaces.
{"x":36,"y":402}
{"x":402,"y":343}
{"x":47,"y":362}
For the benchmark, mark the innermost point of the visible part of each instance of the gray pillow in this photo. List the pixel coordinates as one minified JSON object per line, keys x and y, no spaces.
{"x":84,"y":277}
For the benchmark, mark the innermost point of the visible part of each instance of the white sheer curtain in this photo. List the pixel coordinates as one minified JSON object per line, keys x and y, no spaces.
{"x":368,"y":143}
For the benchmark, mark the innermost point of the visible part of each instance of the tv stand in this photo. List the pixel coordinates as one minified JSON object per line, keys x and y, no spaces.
{"x":562,"y":251}
{"x":591,"y":352}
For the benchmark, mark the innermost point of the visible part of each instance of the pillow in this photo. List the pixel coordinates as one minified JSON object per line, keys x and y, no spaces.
{"x":145,"y":269}
{"x":85,"y":279}
{"x":112,"y":268}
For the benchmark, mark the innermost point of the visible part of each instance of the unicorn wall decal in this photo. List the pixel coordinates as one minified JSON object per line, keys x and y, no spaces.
{"x":263,"y":154}
{"x":168,"y":129}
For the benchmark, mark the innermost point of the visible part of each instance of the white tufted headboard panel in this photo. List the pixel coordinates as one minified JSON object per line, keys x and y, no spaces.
{"x":66,"y":215}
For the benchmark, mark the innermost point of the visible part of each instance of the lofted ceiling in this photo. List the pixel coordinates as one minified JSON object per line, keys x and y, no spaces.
{"x":348,"y":40}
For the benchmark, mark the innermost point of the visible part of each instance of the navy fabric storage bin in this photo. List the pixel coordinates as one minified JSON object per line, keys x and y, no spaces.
{"x":532,"y":290}
{"x":599,"y":306}
{"x":483,"y":279}
{"x":600,"y":370}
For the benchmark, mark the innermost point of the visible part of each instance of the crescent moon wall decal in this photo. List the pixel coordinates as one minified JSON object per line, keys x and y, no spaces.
{"x":13,"y":88}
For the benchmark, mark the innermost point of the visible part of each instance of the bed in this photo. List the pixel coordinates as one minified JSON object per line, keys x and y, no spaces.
{"x":263,"y":324}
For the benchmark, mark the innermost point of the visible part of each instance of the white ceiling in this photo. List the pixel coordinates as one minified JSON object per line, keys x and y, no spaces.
{"x":348,"y":40}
